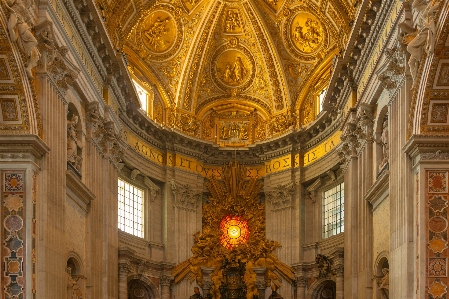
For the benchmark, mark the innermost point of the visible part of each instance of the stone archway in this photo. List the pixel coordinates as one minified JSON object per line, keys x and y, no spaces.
{"x":325,"y":290}
{"x":138,"y":289}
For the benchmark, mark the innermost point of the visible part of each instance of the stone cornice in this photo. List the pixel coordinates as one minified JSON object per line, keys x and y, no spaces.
{"x":427,"y":147}
{"x":18,"y":145}
{"x":108,"y":60}
{"x":78,"y":191}
{"x":374,"y":194}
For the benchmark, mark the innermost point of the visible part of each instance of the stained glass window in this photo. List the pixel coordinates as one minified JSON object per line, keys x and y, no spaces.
{"x":130,"y":209}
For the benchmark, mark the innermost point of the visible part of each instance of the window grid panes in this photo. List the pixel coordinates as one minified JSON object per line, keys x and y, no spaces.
{"x":130,"y":209}
{"x":333,"y":211}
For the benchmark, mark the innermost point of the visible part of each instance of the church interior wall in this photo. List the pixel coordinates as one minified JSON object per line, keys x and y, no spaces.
{"x":74,"y":147}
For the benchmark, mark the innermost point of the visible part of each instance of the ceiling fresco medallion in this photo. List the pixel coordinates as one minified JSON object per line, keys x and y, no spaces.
{"x":233,"y":68}
{"x":305,"y":34}
{"x":161,"y":32}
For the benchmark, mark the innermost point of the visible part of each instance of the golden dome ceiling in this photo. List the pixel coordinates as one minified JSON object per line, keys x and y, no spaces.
{"x":222,"y":70}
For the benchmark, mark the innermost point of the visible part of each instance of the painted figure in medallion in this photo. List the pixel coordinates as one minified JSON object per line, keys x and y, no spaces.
{"x":235,"y":73}
{"x":156,"y":34}
{"x":307,"y":35}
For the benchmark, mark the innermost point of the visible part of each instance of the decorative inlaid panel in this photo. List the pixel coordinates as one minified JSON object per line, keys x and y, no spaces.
{"x":5,"y":71}
{"x":13,"y":234}
{"x":438,"y":113}
{"x":233,"y":22}
{"x":437,"y":182}
{"x":442,"y":79}
{"x":8,"y":107}
{"x":437,"y":234}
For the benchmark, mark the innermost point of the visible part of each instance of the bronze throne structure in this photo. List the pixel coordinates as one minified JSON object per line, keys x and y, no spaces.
{"x":233,"y":285}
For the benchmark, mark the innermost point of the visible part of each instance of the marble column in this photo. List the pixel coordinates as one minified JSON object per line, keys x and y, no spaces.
{"x":261,"y":283}
{"x":164,"y":282}
{"x":124,"y":270}
{"x":301,"y":283}
{"x":207,"y":280}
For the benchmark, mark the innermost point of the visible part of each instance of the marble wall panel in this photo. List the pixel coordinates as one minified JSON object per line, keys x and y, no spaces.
{"x":437,"y":233}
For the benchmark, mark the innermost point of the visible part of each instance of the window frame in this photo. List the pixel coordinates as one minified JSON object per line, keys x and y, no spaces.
{"x":325,"y":233}
{"x":144,"y":209}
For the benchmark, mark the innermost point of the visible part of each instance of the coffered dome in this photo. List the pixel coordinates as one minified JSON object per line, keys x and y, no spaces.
{"x":232,"y":72}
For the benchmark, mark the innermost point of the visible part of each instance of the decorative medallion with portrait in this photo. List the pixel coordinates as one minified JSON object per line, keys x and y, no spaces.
{"x":161,"y":32}
{"x":305,"y":34}
{"x":233,"y":68}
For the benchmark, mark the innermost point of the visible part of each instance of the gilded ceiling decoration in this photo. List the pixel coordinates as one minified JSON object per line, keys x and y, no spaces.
{"x":260,"y":59}
{"x":234,"y":229}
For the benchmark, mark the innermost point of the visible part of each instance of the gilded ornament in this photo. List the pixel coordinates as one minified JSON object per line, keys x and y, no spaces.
{"x":159,"y":35}
{"x":233,"y":68}
{"x":233,"y":206}
{"x":307,"y":33}
{"x":159,"y":31}
{"x":233,"y":22}
{"x":234,"y":131}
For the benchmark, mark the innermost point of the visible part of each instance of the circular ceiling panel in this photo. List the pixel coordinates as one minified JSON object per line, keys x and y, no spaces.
{"x":161,"y":32}
{"x":233,"y":67}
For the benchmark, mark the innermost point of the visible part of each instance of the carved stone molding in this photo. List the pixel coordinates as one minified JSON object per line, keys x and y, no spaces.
{"x":185,"y":196}
{"x":103,"y":134}
{"x":60,"y":69}
{"x":134,"y":173}
{"x":312,"y":190}
{"x":153,"y":188}
{"x":438,"y":155}
{"x":392,"y":72}
{"x":165,"y":280}
{"x":281,"y":197}
{"x":338,"y":270}
{"x":301,"y":281}
{"x":124,"y":268}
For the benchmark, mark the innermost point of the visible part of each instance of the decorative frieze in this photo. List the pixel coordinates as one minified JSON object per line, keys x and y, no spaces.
{"x":281,"y":197}
{"x":185,"y":196}
{"x":438,"y":155}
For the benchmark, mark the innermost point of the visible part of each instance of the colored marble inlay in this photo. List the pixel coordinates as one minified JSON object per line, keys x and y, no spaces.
{"x":437,"y":289}
{"x":13,"y":182}
{"x":438,"y":267}
{"x":13,"y":232}
{"x":438,"y":203}
{"x":437,"y":234}
{"x":437,"y":182}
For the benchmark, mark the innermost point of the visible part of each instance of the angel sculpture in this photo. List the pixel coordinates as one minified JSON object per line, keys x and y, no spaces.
{"x":19,"y":28}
